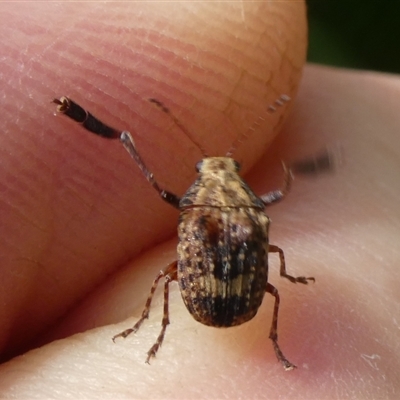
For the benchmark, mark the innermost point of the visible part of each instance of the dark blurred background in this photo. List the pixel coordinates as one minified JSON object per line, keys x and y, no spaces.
{"x":362,"y":34}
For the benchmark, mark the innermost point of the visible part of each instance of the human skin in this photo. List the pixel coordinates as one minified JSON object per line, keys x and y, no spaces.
{"x":343,"y":331}
{"x":64,"y":185}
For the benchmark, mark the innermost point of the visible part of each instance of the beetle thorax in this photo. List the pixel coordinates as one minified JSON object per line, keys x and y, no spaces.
{"x":218,"y":170}
{"x":219,"y":185}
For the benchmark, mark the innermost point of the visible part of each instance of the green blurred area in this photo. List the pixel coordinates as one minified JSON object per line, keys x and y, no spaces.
{"x":362,"y":34}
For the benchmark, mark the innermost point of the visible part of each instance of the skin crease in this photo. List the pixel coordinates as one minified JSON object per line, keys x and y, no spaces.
{"x":343,"y":332}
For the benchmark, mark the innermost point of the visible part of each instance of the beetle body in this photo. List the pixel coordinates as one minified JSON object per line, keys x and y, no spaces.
{"x":223,"y":246}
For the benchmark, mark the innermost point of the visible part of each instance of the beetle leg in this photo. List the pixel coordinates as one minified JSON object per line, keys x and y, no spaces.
{"x":129,"y":144}
{"x":74,"y":111}
{"x":278,"y":195}
{"x":300,"y":279}
{"x":170,"y":274}
{"x":273,"y":335}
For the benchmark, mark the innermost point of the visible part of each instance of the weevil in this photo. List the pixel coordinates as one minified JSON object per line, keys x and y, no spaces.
{"x":222,"y":254}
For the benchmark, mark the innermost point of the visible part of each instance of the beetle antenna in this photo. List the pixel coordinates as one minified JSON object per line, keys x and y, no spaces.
{"x":279,"y":102}
{"x":178,"y":123}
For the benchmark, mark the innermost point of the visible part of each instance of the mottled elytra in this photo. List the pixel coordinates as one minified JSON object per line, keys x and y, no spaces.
{"x":222,"y":263}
